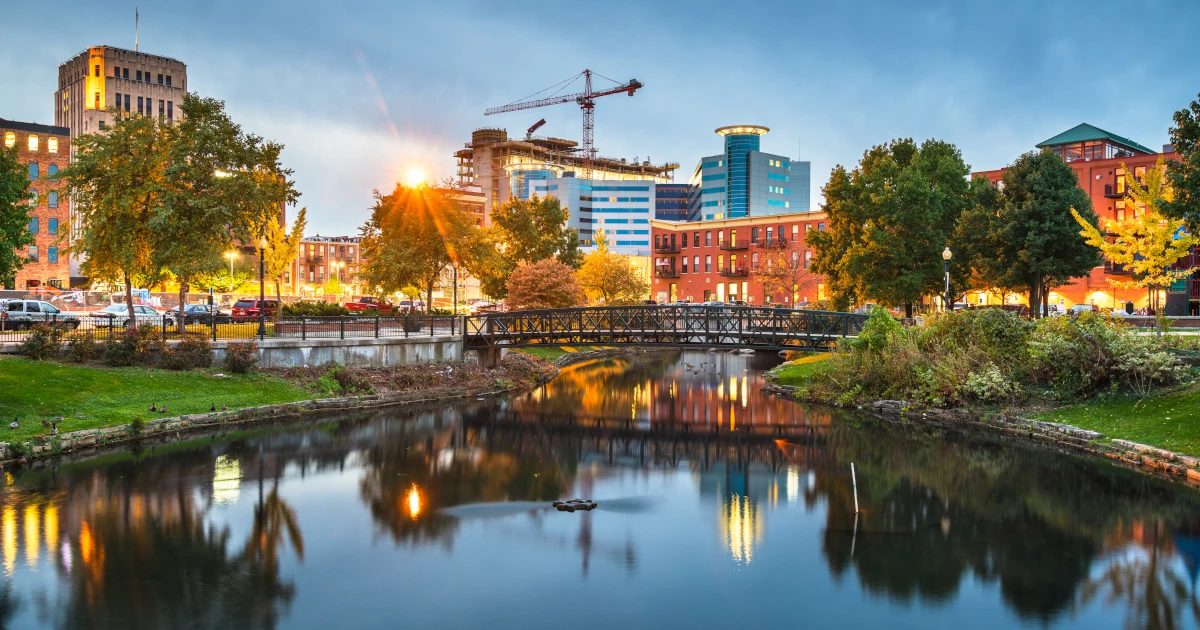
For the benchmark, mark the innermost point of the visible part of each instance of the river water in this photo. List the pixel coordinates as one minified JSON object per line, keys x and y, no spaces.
{"x":719,"y":507}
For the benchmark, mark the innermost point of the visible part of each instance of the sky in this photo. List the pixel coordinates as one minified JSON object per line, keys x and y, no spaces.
{"x":359,"y":92}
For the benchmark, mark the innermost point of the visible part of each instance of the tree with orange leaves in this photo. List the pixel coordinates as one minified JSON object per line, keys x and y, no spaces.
{"x":412,"y":237}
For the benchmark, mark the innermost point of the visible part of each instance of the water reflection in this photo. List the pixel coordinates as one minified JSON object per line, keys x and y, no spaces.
{"x":261,"y":529}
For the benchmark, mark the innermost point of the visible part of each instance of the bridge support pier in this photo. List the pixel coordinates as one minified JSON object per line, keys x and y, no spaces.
{"x":484,"y":357}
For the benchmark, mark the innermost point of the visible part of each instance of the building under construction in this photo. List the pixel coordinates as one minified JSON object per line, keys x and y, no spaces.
{"x":503,"y":168}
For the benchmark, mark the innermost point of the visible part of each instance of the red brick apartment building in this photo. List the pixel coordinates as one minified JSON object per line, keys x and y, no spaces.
{"x":719,"y":260}
{"x":43,"y":150}
{"x":1097,"y":157}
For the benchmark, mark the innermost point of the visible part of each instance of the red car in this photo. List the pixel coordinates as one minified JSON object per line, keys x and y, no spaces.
{"x":247,"y":310}
{"x":368,"y":302}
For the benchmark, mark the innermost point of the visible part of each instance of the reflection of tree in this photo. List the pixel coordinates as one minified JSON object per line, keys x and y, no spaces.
{"x":9,"y":605}
{"x":1156,"y":596}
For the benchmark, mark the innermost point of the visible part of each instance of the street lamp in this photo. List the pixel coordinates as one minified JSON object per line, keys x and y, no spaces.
{"x":262,"y":288}
{"x":231,"y":256}
{"x":946,"y":255}
{"x":454,"y":266}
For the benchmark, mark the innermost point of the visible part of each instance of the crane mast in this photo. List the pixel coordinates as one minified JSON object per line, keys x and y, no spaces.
{"x":587,"y":104}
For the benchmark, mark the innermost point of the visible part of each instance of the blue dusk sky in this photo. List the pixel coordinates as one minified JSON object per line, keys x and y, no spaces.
{"x":360,"y":91}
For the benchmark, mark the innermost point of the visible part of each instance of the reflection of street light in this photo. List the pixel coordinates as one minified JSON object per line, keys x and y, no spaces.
{"x":414,"y":502}
{"x":946,"y":255}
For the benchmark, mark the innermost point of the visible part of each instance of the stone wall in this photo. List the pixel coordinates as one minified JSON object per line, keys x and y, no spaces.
{"x":368,"y":352}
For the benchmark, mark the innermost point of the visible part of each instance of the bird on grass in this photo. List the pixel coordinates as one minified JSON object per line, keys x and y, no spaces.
{"x":213,"y":407}
{"x":154,"y":407}
{"x":54,"y":429}
{"x":224,"y":408}
{"x":14,"y":424}
{"x":45,"y":423}
{"x":163,"y":409}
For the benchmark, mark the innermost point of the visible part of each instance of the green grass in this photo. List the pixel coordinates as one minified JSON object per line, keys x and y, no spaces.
{"x":796,"y":372}
{"x":550,"y":353}
{"x":1170,"y":421}
{"x":92,"y":397}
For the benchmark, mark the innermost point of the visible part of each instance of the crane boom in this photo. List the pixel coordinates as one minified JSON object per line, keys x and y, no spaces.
{"x":586,"y":102}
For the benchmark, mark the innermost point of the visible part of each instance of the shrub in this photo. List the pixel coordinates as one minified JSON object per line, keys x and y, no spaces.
{"x":42,"y":342}
{"x":240,"y":358}
{"x":314,"y":309}
{"x":412,"y":323}
{"x":142,"y":345}
{"x":191,"y":352}
{"x":81,"y":349}
{"x":340,"y":379}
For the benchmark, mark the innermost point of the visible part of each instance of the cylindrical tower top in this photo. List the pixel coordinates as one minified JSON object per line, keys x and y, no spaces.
{"x":742,"y":130}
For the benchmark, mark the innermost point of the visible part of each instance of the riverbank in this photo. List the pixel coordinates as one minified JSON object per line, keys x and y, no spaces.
{"x":95,"y":406}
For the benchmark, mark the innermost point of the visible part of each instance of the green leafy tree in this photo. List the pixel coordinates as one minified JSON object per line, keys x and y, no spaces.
{"x":782,"y":271}
{"x":1184,"y":174}
{"x":1146,"y":242}
{"x":282,"y":248}
{"x":116,"y":182}
{"x":14,"y":213}
{"x":522,"y":231}
{"x":1025,"y":237}
{"x":221,"y":185}
{"x":412,"y":237}
{"x":546,"y":283}
{"x":889,"y":221}
{"x":609,"y":277}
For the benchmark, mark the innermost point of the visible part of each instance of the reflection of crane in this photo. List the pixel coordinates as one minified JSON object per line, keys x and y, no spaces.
{"x":585,"y":99}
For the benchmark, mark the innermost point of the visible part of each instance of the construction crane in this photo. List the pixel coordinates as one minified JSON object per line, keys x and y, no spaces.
{"x":586,"y":100}
{"x":534,"y":127}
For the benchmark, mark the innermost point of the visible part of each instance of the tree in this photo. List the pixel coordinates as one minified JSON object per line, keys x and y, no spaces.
{"x":115,"y":183}
{"x":783,"y":271}
{"x":546,"y":283}
{"x":522,"y":231}
{"x":282,"y":249}
{"x":1146,"y":243}
{"x":413,"y":235}
{"x":889,"y":220}
{"x":1026,"y":234}
{"x":14,"y":213}
{"x":221,"y":186}
{"x":609,"y":277}
{"x":1184,"y":174}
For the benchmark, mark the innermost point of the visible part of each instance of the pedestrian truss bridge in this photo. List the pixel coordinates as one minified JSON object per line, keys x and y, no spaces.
{"x":687,"y":325}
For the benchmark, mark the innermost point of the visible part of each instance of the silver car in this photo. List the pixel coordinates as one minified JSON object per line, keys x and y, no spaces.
{"x":117,"y":315}
{"x":21,"y":314}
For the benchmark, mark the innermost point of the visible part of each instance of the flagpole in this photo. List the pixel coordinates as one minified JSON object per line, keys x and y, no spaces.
{"x":135,"y":29}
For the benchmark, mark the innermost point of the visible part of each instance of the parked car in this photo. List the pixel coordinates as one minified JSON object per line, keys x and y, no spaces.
{"x":736,"y":303}
{"x":485,"y":306}
{"x":246,"y":310}
{"x":1079,"y":309}
{"x":370,"y":302}
{"x":203,"y":314}
{"x":19,"y":314}
{"x":117,"y":315}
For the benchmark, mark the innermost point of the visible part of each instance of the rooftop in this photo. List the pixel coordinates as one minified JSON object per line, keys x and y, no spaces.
{"x":118,"y":48}
{"x":1084,"y":132}
{"x":738,"y":130}
{"x":34,"y":127}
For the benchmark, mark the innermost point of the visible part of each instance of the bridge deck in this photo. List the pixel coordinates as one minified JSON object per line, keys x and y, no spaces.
{"x":682,"y":326}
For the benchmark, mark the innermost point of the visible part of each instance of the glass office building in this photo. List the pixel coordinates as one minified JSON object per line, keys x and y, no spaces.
{"x":623,"y":209}
{"x":744,"y":181}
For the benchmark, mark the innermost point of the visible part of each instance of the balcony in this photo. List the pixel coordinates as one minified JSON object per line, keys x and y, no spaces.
{"x":1115,"y":268}
{"x":734,"y":272}
{"x":734,"y":246}
{"x":1194,"y":293}
{"x":666,"y":248}
{"x":666,"y":272}
{"x":1110,"y":191}
{"x":773,"y":243}
{"x":315,"y":259}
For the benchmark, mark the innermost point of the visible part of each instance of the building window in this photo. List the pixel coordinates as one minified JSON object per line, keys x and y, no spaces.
{"x":101,"y":125}
{"x":140,"y":106}
{"x":124,"y":73}
{"x":52,"y":254}
{"x":695,"y":264}
{"x":170,"y":109}
{"x":685,"y":264}
{"x":820,"y":226}
{"x":52,"y":199}
{"x":52,"y":225}
{"x":116,"y":72}
{"x":33,"y":225}
{"x":52,"y":170}
{"x":126,"y":102}
{"x":168,"y":80}
{"x":10,"y":139}
{"x":160,"y":79}
{"x":33,"y":253}
{"x":33,"y":198}
{"x":696,"y":240}
{"x":96,"y":101}
{"x":708,"y":239}
{"x":96,"y":70}
{"x":162,"y":108}
{"x":52,"y":145}
{"x":117,"y":99}
{"x":707,"y":264}
{"x":139,"y":75}
{"x":754,"y":261}
{"x":33,"y":142}
{"x":807,"y":259}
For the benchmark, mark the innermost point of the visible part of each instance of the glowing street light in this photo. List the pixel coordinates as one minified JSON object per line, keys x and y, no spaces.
{"x":946,"y":255}
{"x":231,"y":256}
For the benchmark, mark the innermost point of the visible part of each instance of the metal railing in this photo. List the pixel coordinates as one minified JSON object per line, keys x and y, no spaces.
{"x":734,"y":272}
{"x":16,"y":326}
{"x":666,"y":272}
{"x":673,"y":325}
{"x":666,"y":248}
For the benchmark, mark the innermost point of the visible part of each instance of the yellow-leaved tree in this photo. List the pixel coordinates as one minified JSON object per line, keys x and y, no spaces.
{"x":609,"y":278}
{"x":1146,"y":241}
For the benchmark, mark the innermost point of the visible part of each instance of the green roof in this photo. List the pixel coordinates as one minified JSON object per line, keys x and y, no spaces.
{"x":1084,"y":132}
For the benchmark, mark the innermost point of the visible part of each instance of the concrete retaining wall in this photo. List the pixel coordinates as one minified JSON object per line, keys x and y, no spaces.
{"x":367,"y":352}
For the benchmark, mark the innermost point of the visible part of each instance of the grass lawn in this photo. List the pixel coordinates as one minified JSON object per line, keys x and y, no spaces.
{"x":91,"y":397}
{"x":1170,"y":421}
{"x":795,"y":372}
{"x":550,"y":353}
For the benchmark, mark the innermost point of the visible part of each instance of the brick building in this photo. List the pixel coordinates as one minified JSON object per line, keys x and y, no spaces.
{"x":321,"y":258}
{"x":721,"y":259}
{"x":43,"y":150}
{"x":1097,"y":156}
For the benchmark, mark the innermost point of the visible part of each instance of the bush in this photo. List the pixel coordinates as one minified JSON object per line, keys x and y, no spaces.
{"x":191,"y":352}
{"x":42,"y":342}
{"x":412,"y":323}
{"x":142,"y":345}
{"x":81,"y":349}
{"x":314,"y":309}
{"x":240,"y":358}
{"x":340,"y":379}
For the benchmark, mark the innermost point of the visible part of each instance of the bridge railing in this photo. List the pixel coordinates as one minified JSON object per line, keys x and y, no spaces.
{"x":679,"y":325}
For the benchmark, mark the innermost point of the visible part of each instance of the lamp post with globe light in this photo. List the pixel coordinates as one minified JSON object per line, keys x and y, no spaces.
{"x":262,"y":288}
{"x":946,"y":255}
